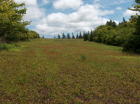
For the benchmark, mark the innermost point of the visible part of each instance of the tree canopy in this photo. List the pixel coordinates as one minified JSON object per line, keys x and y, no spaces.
{"x":12,"y":25}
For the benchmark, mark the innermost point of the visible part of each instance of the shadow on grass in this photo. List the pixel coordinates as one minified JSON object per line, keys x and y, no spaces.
{"x":131,"y":53}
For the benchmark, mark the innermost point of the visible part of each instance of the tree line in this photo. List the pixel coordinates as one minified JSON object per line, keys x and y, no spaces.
{"x":125,"y":34}
{"x":12,"y":25}
{"x":70,"y":36}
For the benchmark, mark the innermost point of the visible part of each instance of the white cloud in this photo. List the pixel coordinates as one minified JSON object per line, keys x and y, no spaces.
{"x":33,"y":11}
{"x":118,"y":8}
{"x":65,"y":4}
{"x":128,"y":13}
{"x":84,"y":18}
{"x":27,"y":2}
{"x":87,"y":17}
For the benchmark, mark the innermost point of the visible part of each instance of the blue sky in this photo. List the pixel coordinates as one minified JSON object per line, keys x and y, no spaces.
{"x":51,"y":17}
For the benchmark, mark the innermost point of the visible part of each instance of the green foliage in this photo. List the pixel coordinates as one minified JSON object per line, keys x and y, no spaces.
{"x":91,"y":36}
{"x":111,"y":23}
{"x":133,"y":43}
{"x":8,"y":46}
{"x":59,"y":37}
{"x":137,"y":6}
{"x":73,"y":37}
{"x":12,"y":26}
{"x":86,"y":36}
{"x":111,"y":33}
{"x":80,"y":35}
{"x":126,"y":33}
{"x":68,"y":36}
{"x":63,"y":36}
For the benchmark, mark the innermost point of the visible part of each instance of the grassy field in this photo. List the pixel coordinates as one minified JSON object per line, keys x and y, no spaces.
{"x":68,"y":72}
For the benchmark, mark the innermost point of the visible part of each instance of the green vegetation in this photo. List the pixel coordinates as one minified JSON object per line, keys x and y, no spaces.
{"x":125,"y":34}
{"x":70,"y":36}
{"x":68,"y":72}
{"x":6,"y":46}
{"x":12,"y":26}
{"x":133,"y":43}
{"x":111,"y":33}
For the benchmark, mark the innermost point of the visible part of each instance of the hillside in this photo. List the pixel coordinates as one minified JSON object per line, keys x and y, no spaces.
{"x":68,"y":72}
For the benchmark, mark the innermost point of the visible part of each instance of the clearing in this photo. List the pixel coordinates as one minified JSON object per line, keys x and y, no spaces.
{"x":68,"y":72}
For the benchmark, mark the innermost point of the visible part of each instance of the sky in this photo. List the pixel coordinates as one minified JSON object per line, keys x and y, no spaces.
{"x":52,"y":17}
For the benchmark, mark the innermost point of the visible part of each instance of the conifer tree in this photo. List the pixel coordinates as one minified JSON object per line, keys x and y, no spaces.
{"x":111,"y":23}
{"x":85,"y":36}
{"x":73,"y":37}
{"x":68,"y":36}
{"x":124,"y":21}
{"x":133,"y":44}
{"x":59,"y":37}
{"x":80,"y":35}
{"x":63,"y":36}
{"x":77,"y":36}
{"x":91,"y":36}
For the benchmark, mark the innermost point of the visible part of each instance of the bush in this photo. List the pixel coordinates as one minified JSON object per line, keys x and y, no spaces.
{"x":6,"y":46}
{"x":133,"y":44}
{"x":22,"y":36}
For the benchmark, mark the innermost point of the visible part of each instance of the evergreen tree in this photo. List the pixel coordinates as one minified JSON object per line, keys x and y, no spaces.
{"x":133,"y":44}
{"x":63,"y":36}
{"x":77,"y":36}
{"x":85,"y":36}
{"x":80,"y":35}
{"x":68,"y":36}
{"x":59,"y":37}
{"x":111,"y":23}
{"x":137,"y":9}
{"x":73,"y":37}
{"x":91,"y":36}
{"x":124,"y":21}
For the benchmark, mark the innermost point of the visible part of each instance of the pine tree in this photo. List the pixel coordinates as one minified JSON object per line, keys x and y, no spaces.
{"x":133,"y":44}
{"x":111,"y":23}
{"x":124,"y":21}
{"x":59,"y":37}
{"x":137,"y":9}
{"x":85,"y":36}
{"x":68,"y":36}
{"x":91,"y":36}
{"x":73,"y":37}
{"x":80,"y":35}
{"x":77,"y":36}
{"x":63,"y":36}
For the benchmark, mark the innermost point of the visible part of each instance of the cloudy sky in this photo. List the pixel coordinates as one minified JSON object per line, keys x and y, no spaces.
{"x":49,"y":17}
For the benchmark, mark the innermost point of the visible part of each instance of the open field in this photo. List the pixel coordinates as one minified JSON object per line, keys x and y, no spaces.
{"x":68,"y":72}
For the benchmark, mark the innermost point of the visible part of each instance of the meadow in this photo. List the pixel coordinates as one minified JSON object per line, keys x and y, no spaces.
{"x":55,"y":71}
